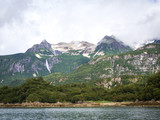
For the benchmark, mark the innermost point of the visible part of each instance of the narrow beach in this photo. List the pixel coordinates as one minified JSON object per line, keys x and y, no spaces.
{"x":85,"y":104}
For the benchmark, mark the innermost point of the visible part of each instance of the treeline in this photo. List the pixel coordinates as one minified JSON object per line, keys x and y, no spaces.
{"x":143,"y":91}
{"x":36,"y":89}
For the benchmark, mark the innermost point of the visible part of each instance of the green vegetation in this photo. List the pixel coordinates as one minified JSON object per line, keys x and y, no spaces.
{"x":146,"y":90}
{"x":15,"y":69}
{"x":69,"y":63}
{"x":152,"y":88}
{"x":36,"y":89}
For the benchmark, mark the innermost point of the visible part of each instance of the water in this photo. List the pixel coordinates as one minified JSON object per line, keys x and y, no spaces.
{"x":105,"y":113}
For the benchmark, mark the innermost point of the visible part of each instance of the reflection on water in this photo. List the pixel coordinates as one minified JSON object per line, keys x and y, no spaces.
{"x":106,"y":113}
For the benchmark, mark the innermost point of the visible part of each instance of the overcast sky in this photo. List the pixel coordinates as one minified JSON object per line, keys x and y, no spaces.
{"x":27,"y":22}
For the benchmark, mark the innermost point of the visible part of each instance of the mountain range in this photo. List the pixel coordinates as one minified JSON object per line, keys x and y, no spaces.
{"x":79,"y":61}
{"x":130,"y":66}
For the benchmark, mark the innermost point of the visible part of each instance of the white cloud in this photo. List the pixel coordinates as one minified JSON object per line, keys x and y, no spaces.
{"x":27,"y":22}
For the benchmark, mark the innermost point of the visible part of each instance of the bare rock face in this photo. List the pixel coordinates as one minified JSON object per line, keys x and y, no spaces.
{"x":140,"y":64}
{"x":19,"y":66}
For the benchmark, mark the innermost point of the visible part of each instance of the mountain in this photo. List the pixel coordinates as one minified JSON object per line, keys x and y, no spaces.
{"x":109,"y":45}
{"x":39,"y":60}
{"x":143,"y":61}
{"x":46,"y":58}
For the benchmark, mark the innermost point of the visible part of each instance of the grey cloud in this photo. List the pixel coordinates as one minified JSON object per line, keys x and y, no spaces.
{"x":27,"y":22}
{"x":12,"y":10}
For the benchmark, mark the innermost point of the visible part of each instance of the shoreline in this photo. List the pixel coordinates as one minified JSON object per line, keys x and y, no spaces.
{"x":85,"y":104}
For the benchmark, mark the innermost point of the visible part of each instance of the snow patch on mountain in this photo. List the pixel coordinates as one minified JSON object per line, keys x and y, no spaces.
{"x":86,"y":55}
{"x":38,"y":56}
{"x":74,"y":45}
{"x":97,"y":53}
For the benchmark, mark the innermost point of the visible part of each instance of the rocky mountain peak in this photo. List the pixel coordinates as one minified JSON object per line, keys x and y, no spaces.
{"x":110,"y":45}
{"x":156,"y":41}
{"x":45,"y":44}
{"x":108,"y":39}
{"x":39,"y":48}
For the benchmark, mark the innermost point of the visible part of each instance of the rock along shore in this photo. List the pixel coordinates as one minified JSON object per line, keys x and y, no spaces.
{"x":84,"y":104}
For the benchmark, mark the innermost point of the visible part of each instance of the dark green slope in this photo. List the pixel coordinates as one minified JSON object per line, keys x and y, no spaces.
{"x":15,"y":69}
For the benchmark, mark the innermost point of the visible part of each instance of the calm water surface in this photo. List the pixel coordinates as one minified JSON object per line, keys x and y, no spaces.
{"x":105,"y":113}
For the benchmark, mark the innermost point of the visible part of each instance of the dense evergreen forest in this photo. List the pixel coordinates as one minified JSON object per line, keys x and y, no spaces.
{"x":36,"y":89}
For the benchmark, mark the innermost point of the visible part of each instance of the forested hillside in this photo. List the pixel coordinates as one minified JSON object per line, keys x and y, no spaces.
{"x":36,"y":89}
